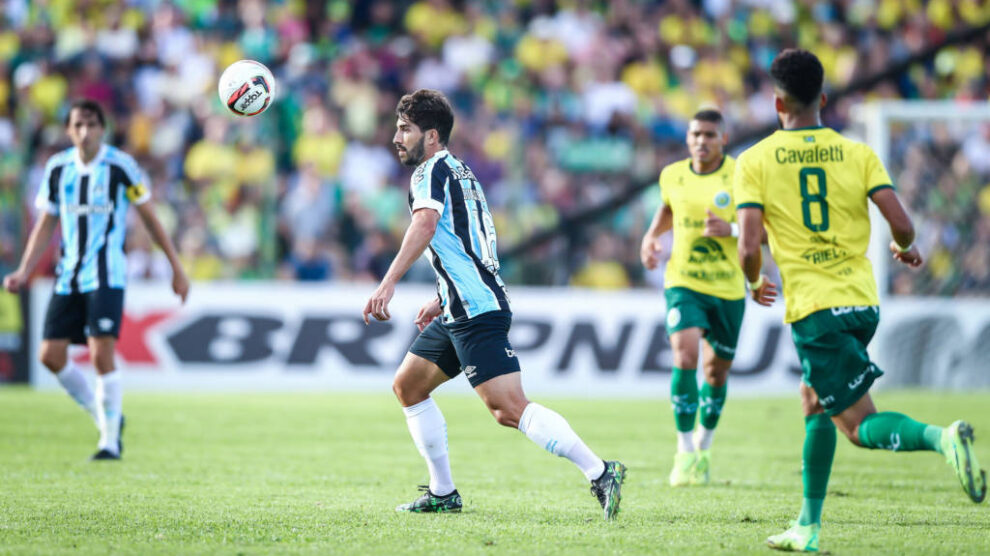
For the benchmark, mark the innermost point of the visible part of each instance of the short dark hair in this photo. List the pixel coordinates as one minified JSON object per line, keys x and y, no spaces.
{"x":428,"y":109}
{"x":710,"y":115}
{"x":86,"y":105}
{"x":798,"y":73}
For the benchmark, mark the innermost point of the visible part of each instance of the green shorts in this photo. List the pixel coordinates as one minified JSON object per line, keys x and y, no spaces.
{"x":831,"y":345}
{"x":720,"y":318}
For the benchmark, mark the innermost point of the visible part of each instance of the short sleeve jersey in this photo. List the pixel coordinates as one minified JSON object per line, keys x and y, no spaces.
{"x":812,"y":185}
{"x":91,"y":202}
{"x":708,"y":265}
{"x":464,"y":248}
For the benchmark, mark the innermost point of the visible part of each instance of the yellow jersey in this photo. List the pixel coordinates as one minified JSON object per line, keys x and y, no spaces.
{"x":708,"y":265}
{"x":812,"y":185}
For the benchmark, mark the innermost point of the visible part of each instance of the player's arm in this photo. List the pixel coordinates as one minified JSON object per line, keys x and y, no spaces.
{"x":41,"y":234}
{"x":180,"y":283}
{"x":649,"y":251}
{"x":418,"y":236}
{"x":751,"y":232}
{"x":901,"y":227}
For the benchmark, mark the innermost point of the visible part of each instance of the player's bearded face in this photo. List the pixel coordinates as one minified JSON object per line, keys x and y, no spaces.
{"x":409,"y":143}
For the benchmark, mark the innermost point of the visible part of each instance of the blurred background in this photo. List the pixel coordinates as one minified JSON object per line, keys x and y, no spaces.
{"x":561,"y":106}
{"x":566,"y":110}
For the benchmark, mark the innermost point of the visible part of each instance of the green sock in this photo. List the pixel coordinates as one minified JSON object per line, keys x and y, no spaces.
{"x":816,"y":465}
{"x":899,"y":433}
{"x":684,"y":398}
{"x":712,"y":400}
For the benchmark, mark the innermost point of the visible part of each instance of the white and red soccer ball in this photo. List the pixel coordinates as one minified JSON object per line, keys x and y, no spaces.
{"x":247,"y":88}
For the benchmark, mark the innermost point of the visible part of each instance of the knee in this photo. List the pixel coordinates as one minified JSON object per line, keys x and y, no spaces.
{"x":715,"y":376}
{"x":507,"y":417}
{"x":53,"y":360}
{"x":686,"y":358}
{"x":408,"y":393}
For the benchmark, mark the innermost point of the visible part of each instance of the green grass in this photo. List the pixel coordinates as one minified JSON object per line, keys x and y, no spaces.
{"x":321,"y":473}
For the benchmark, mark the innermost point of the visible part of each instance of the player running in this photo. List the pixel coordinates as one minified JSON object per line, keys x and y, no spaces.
{"x":450,"y":218}
{"x":809,"y":185}
{"x":87,"y":188}
{"x":703,"y":287}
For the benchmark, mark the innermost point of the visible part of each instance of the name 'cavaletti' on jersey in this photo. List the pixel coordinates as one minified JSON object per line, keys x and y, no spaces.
{"x":812,"y":185}
{"x":708,"y":265}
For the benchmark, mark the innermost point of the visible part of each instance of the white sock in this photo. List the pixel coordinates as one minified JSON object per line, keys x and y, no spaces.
{"x":429,"y":432}
{"x":551,"y":431}
{"x":75,"y":383}
{"x":109,"y":393}
{"x":685,"y":441}
{"x":705,"y":441}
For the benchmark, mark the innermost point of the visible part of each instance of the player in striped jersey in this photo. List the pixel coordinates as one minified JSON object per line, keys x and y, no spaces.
{"x":87,"y":189}
{"x":465,"y":328}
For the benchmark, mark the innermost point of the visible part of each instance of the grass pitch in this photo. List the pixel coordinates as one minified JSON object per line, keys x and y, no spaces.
{"x":322,"y":473}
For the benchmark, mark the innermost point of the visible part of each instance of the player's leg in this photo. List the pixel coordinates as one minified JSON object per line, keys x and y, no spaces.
{"x":684,"y":401}
{"x":504,"y":397}
{"x":483,"y":346}
{"x":816,"y":467}
{"x":710,"y":402}
{"x":109,"y":395}
{"x":64,"y":321}
{"x":431,"y":361}
{"x":888,"y":430}
{"x":104,"y":310}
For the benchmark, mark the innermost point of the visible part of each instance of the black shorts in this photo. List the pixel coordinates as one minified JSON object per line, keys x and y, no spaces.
{"x":77,"y":316}
{"x":479,"y":347}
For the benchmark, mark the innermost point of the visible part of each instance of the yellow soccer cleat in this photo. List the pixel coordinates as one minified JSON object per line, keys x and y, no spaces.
{"x":684,"y":463}
{"x":799,"y":538}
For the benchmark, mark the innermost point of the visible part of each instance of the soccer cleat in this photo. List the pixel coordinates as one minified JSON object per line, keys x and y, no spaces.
{"x":957,"y":446}
{"x":700,"y":474}
{"x":799,"y":538}
{"x":608,"y":488}
{"x":430,"y":503}
{"x":684,"y":463}
{"x":104,"y":455}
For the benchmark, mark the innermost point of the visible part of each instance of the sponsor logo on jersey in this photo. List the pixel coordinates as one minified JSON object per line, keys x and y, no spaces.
{"x":469,"y":371}
{"x":77,"y":209}
{"x":509,"y":352}
{"x":706,"y":250}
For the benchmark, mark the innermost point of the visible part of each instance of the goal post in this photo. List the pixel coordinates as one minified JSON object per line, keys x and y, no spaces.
{"x":901,"y":129}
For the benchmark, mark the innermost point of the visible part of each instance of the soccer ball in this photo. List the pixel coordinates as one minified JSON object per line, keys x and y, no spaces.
{"x":246,"y":88}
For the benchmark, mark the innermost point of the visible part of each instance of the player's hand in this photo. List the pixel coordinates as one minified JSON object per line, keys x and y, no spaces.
{"x":716,"y":227}
{"x":911,"y":258}
{"x":649,"y":252}
{"x":377,"y":306}
{"x":13,"y":282}
{"x":180,"y":285}
{"x":427,"y":313}
{"x":766,"y":294}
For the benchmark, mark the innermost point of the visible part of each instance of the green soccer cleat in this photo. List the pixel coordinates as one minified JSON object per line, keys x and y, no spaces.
{"x":430,"y":503}
{"x":957,"y":446}
{"x":799,"y":538}
{"x":700,"y":475}
{"x":608,"y":488}
{"x":684,"y":464}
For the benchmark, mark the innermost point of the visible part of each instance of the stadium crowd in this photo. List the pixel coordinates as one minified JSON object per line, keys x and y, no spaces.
{"x":560,"y":104}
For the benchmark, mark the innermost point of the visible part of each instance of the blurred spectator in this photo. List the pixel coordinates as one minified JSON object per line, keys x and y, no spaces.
{"x":559,"y":106}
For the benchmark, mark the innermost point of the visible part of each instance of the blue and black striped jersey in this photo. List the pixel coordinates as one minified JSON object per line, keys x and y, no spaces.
{"x":91,"y":201}
{"x":463,"y":249}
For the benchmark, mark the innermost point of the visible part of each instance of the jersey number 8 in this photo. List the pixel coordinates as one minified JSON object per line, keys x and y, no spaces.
{"x":808,"y":199}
